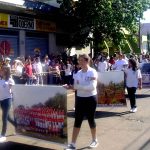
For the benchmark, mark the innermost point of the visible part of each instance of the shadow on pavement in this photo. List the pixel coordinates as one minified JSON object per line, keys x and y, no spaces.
{"x":146,"y":146}
{"x":140,"y":96}
{"x":19,"y":146}
{"x":87,"y":147}
{"x":102,"y":114}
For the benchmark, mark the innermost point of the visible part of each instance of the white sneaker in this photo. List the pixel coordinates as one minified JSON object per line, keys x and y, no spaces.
{"x":131,"y":110}
{"x":94,"y":144}
{"x":2,"y":139}
{"x":70,"y":147}
{"x":134,"y":110}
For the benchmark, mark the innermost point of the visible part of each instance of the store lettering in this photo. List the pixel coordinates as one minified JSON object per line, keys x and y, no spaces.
{"x":45,"y":26}
{"x":21,"y":22}
{"x":27,"y":24}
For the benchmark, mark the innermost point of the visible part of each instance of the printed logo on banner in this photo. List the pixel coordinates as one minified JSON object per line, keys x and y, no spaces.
{"x":3,"y":20}
{"x":111,"y":91}
{"x":21,"y":22}
{"x":41,"y":112}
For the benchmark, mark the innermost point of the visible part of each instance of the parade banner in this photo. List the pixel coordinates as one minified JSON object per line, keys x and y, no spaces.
{"x":146,"y":80}
{"x":41,"y":112}
{"x":111,"y":91}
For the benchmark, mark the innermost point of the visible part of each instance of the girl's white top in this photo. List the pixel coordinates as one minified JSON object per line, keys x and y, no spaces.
{"x":102,"y":66}
{"x":5,"y":90}
{"x":86,"y":82}
{"x":132,"y":77}
{"x":68,"y":70}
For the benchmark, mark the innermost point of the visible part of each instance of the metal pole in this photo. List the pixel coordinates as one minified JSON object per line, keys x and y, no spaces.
{"x":140,"y":34}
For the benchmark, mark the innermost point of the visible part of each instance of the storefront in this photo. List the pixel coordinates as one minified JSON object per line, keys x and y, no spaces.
{"x":23,"y":36}
{"x":9,"y":43}
{"x":36,"y":43}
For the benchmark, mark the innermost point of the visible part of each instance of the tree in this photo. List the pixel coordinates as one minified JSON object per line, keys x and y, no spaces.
{"x":106,"y":19}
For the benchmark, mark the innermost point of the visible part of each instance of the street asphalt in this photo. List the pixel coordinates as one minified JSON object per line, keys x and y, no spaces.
{"x":117,"y":129}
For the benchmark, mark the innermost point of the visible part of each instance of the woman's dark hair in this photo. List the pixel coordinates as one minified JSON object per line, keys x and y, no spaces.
{"x":7,"y":72}
{"x":133,"y":63}
{"x":76,"y":68}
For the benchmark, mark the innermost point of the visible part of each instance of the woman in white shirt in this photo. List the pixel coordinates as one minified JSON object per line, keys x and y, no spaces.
{"x":5,"y":98}
{"x":85,"y":83}
{"x":102,"y":65}
{"x":68,"y":73}
{"x":133,"y":80}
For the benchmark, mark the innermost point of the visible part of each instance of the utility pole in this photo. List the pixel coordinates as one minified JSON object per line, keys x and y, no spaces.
{"x":139,"y":35}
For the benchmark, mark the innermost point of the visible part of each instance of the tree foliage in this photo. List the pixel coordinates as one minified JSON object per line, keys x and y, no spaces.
{"x":106,"y":19}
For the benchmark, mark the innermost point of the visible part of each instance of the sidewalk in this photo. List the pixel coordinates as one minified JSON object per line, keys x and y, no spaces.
{"x":117,"y":129}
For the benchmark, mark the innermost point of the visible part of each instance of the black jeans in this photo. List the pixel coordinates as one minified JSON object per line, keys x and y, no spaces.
{"x":131,"y":95}
{"x":6,"y":105}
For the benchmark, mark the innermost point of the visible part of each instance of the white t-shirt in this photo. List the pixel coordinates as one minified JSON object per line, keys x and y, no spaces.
{"x":132,"y":77}
{"x":119,"y":64}
{"x":68,"y":70}
{"x":85,"y":84}
{"x":5,"y":91}
{"x":102,"y":66}
{"x":38,"y":67}
{"x":19,"y":70}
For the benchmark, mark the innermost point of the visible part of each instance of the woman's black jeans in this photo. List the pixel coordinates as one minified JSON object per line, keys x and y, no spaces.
{"x":5,"y":106}
{"x":131,"y":95}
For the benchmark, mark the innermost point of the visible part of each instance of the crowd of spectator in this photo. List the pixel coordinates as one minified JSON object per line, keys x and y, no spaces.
{"x":60,"y":69}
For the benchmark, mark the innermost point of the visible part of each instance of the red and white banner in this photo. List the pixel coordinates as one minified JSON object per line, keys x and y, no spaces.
{"x":41,"y":112}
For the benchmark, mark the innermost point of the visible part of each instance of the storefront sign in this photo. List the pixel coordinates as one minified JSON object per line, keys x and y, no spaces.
{"x":3,"y":20}
{"x":45,"y":26}
{"x":21,"y":22}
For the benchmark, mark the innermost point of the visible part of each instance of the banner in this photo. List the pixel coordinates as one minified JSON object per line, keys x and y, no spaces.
{"x":110,"y":89}
{"x":3,"y":20}
{"x":41,"y":112}
{"x":146,"y":79}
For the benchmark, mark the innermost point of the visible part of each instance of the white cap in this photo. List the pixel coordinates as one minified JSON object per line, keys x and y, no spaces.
{"x":7,"y":58}
{"x":16,"y":60}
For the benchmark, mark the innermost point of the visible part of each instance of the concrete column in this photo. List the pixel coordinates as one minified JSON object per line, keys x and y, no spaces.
{"x":52,"y":43}
{"x":22,"y":43}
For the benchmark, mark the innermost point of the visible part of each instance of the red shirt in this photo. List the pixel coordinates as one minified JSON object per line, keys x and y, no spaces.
{"x":28,"y":70}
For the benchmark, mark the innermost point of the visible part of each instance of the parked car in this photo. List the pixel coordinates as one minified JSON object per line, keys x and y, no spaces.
{"x":145,"y":70}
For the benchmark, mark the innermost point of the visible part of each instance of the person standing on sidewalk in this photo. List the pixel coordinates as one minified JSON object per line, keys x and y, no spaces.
{"x":6,"y":83}
{"x":133,"y":79}
{"x":85,"y":83}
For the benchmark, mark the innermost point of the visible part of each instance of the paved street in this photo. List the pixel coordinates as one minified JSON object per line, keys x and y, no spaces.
{"x":117,"y":129}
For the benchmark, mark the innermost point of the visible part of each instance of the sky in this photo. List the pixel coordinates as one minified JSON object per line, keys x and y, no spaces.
{"x":146,"y":17}
{"x":20,"y":2}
